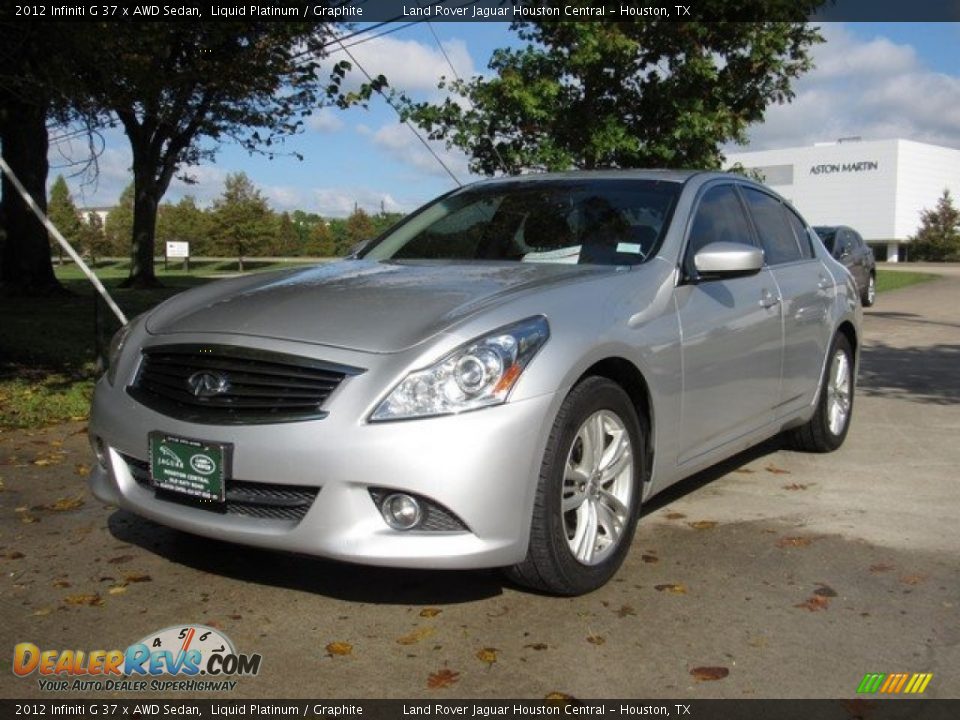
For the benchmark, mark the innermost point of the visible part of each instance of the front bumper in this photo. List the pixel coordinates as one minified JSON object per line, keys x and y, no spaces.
{"x":482,"y":466}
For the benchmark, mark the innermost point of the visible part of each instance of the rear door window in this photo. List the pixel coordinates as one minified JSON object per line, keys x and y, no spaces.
{"x":779,"y":242}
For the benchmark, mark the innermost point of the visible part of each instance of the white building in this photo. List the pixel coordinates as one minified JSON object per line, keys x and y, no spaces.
{"x":877,"y":187}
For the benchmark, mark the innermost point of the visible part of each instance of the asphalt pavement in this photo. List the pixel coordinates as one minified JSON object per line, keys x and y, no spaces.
{"x":777,"y":574}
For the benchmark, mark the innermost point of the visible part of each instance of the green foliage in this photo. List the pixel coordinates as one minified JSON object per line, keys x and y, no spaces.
{"x":119,"y":226}
{"x":628,"y":94}
{"x":241,"y":220}
{"x":185,"y":222}
{"x":64,"y":214}
{"x":895,"y":279}
{"x":180,"y":89}
{"x":938,"y":237}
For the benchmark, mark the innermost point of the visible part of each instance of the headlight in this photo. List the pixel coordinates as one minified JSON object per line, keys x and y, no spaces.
{"x":475,"y":375}
{"x":116,"y":347}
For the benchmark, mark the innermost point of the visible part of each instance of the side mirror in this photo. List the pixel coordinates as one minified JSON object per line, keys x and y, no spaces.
{"x":728,"y":259}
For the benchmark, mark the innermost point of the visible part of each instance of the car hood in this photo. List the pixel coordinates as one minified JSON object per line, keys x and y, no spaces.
{"x":378,"y":307}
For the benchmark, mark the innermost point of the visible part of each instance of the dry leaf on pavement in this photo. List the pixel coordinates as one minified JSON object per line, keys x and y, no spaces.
{"x":442,"y":678}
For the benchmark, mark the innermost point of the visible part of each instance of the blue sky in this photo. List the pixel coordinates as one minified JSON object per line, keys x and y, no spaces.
{"x":875,"y":80}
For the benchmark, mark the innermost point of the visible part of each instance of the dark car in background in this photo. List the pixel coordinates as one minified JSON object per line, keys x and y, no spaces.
{"x":847,"y":246}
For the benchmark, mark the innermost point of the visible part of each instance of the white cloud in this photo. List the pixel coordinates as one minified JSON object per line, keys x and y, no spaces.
{"x":325,"y":121}
{"x":875,"y":89}
{"x":398,"y":141}
{"x":408,"y":65}
{"x":340,"y":202}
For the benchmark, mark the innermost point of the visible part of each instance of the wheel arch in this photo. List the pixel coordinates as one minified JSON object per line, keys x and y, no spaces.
{"x":631,"y":379}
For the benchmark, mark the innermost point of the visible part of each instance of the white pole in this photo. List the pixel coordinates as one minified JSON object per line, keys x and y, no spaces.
{"x":52,"y":229}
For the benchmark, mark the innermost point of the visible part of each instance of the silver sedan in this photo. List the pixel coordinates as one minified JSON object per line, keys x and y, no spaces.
{"x":498,"y":381}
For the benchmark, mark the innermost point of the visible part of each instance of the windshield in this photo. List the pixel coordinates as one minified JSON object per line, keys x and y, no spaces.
{"x":600,"y":222}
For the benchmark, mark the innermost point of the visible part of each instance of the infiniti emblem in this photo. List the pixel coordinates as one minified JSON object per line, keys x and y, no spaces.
{"x":205,"y":384}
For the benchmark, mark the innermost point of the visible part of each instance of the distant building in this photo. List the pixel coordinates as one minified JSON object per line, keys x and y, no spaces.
{"x":878,"y":187}
{"x":85,"y":213}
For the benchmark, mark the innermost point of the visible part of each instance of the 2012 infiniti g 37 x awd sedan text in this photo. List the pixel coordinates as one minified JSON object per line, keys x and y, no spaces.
{"x":498,"y":381}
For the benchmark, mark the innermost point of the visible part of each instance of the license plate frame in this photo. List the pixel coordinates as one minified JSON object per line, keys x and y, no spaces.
{"x":190,"y":470}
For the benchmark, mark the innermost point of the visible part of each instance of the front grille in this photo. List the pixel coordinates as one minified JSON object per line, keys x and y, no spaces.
{"x":252,"y":499}
{"x":220,"y":384}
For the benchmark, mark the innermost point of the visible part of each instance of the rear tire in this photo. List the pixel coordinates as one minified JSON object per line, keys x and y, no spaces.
{"x":588,"y":494}
{"x":827,"y":429}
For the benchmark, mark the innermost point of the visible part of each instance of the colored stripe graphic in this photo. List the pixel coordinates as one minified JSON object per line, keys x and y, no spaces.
{"x":912,"y":683}
{"x":871,"y":682}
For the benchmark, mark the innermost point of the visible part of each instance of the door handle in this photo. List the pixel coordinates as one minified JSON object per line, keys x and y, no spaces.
{"x":768,"y":299}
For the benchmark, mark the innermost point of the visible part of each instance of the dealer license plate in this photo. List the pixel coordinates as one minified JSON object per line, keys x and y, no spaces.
{"x":191,"y":468}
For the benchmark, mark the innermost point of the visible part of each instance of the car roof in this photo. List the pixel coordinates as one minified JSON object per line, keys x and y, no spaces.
{"x":666,"y":175}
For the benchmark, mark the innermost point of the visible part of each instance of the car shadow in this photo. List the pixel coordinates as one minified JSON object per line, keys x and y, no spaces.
{"x":714,"y":472}
{"x":926,"y":374}
{"x":343,"y":581}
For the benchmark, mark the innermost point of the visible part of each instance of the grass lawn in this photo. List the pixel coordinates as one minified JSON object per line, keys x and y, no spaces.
{"x":896,"y":279}
{"x":48,"y":345}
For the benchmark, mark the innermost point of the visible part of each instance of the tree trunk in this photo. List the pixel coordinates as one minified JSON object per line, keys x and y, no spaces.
{"x":146,"y":200}
{"x":26,"y":267}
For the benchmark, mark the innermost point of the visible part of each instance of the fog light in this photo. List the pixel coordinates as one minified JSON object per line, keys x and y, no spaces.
{"x":401,"y":512}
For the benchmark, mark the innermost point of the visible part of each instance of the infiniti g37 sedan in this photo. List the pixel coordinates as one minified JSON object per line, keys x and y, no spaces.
{"x":500,"y":380}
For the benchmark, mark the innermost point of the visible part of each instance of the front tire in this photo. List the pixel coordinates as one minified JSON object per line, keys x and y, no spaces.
{"x":588,"y":495}
{"x":828,"y":427}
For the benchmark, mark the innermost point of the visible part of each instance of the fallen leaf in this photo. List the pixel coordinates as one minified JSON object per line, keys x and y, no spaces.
{"x":795,"y":486}
{"x":502,"y":612}
{"x":14,"y":555}
{"x":81,"y":469}
{"x":708,"y":673}
{"x":558,"y":696}
{"x":442,"y":678}
{"x":825,"y":591}
{"x":430,"y":612}
{"x":117,"y":589}
{"x":703,"y":524}
{"x":776,"y":471}
{"x":675,"y":516}
{"x":487,"y":655}
{"x":814,"y":603}
{"x":914,"y":579}
{"x":93,"y":600}
{"x":42,"y":611}
{"x":137,"y":578}
{"x":745,"y":471}
{"x":214,"y":624}
{"x":415,"y":636}
{"x":64,"y":504}
{"x":61,"y":583}
{"x":120,"y":559}
{"x":596,"y":640}
{"x":43,"y":462}
{"x":28,"y":519}
{"x":650,"y":558}
{"x":339,"y":648}
{"x":786,"y":542}
{"x":235,"y":617}
{"x":675,"y":588}
{"x":881,"y":567}
{"x":537,"y":646}
{"x":625,"y":610}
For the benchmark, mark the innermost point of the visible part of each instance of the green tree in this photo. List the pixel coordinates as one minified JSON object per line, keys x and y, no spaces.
{"x":64,"y":215}
{"x":320,"y":242}
{"x":93,"y":239}
{"x":643,"y":93}
{"x":358,"y":227}
{"x":938,"y":237}
{"x":119,"y":225}
{"x":34,"y":80}
{"x":285,"y":238}
{"x":185,"y":222}
{"x":179,"y":89}
{"x":241,"y":220}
